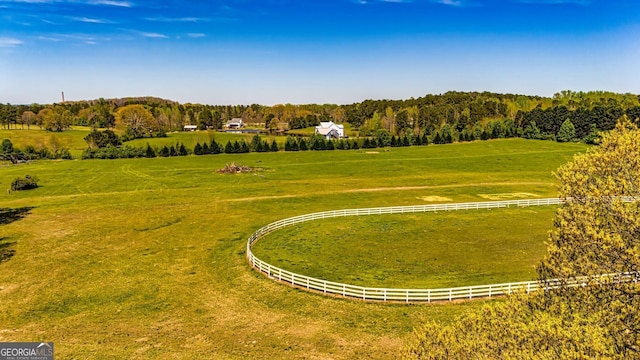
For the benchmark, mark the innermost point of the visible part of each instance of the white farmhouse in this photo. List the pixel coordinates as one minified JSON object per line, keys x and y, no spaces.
{"x":330,"y":130}
{"x":235,"y":123}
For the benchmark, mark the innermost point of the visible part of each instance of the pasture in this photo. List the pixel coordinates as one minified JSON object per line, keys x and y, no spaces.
{"x":74,"y":139}
{"x":144,"y":258}
{"x":415,"y":251}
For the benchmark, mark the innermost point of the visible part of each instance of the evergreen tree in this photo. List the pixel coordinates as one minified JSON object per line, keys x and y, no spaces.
{"x":182,"y":150}
{"x":329,"y":145}
{"x":274,"y":146}
{"x":567,"y":132}
{"x":290,"y":144}
{"x":531,"y":131}
{"x":394,"y":141}
{"x":354,"y":145}
{"x":215,"y":148}
{"x":244,"y":147}
{"x":256,"y":142}
{"x":149,"y":152}
{"x":366,"y":144}
{"x":197,"y":150}
{"x":164,"y":151}
{"x":417,"y":140}
{"x":302,"y":144}
{"x":205,"y":149}
{"x":437,"y":139}
{"x":173,"y":151}
{"x":446,"y":134}
{"x":406,"y":141}
{"x":228,"y":148}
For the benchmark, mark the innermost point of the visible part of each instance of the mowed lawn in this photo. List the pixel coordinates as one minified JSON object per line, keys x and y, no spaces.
{"x":144,"y":258}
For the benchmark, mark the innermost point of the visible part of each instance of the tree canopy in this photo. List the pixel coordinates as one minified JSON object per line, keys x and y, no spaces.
{"x":597,"y":231}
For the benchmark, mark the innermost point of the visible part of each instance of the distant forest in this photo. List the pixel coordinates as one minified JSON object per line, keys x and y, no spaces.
{"x":452,"y":116}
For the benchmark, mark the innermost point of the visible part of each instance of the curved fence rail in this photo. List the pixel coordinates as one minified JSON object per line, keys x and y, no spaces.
{"x":406,"y":295}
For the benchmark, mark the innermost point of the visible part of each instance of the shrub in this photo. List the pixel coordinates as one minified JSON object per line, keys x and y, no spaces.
{"x":27,"y":183}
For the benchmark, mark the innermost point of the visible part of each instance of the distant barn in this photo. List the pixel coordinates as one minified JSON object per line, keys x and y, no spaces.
{"x":190,"y":127}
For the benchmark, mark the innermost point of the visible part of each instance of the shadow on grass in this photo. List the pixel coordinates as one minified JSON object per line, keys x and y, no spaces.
{"x":7,"y":216}
{"x":6,"y":250}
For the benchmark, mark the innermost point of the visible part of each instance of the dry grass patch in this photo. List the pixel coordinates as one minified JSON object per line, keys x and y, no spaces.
{"x":434,"y":198}
{"x":508,"y":196}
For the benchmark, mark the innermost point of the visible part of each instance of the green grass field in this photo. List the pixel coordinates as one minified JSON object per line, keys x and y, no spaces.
{"x":144,"y":258}
{"x":417,"y":251}
{"x":74,"y":138}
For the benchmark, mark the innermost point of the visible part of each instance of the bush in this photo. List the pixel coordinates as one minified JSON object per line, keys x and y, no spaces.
{"x":7,"y":146}
{"x":27,"y":183}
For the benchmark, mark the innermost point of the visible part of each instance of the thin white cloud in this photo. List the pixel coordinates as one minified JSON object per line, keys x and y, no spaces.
{"x":556,"y":2}
{"x":33,"y":1}
{"x":49,"y":38}
{"x":181,"y":19}
{"x":450,"y":2}
{"x":10,"y":42}
{"x":92,"y":21}
{"x":154,"y":35}
{"x":117,"y":3}
{"x":196,"y":35}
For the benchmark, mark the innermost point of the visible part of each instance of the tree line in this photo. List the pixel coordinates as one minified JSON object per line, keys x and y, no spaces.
{"x":463,"y":115}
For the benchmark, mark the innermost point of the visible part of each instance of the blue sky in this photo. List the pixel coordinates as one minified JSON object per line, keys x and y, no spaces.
{"x":316,"y":51}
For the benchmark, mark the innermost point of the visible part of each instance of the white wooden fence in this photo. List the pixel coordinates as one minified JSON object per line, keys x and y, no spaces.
{"x":404,"y":295}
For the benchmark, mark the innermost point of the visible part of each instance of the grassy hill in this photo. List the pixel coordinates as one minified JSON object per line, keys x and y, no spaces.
{"x":144,"y":258}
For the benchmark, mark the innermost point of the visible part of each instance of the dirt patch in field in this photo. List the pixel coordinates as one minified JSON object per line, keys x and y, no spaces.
{"x":507,"y":196}
{"x":434,"y":198}
{"x":372,"y":152}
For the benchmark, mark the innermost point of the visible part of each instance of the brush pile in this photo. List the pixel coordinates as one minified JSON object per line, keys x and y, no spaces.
{"x":233,"y":168}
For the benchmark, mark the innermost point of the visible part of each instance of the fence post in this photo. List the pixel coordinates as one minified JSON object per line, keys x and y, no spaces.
{"x":429,"y":296}
{"x":470,"y":292}
{"x":344,"y":291}
{"x":489,"y":290}
{"x":450,"y":294}
{"x":324,"y":286}
{"x":384,"y":296}
{"x":407,"y":297}
{"x":293,"y":279}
